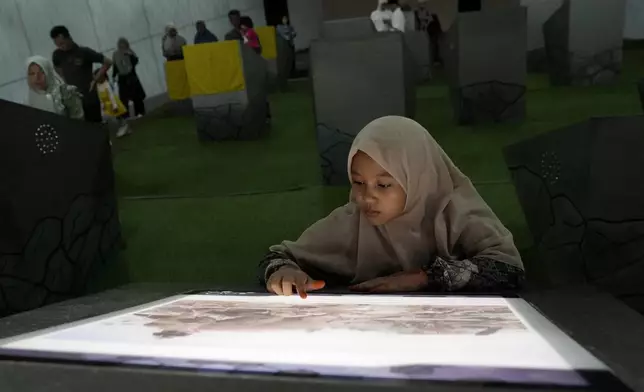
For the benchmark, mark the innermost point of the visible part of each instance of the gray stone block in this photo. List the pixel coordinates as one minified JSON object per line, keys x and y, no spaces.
{"x":487,"y":5}
{"x":418,"y":44}
{"x":182,"y":108}
{"x":583,"y":41}
{"x":59,"y":222}
{"x":486,"y":63}
{"x":240,"y":115}
{"x":539,"y":11}
{"x":537,"y":60}
{"x":640,"y":90}
{"x":347,"y":28}
{"x":355,"y":82}
{"x":285,"y":61}
{"x":581,"y":191}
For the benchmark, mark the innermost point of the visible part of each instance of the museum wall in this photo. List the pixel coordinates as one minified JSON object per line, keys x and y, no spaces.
{"x":634,"y":25}
{"x":306,"y":18}
{"x":25,"y":25}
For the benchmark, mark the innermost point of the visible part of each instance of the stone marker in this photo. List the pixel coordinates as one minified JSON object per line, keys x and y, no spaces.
{"x":583,"y":41}
{"x":486,"y":63}
{"x":581,"y":190}
{"x":59,"y":221}
{"x":355,"y":82}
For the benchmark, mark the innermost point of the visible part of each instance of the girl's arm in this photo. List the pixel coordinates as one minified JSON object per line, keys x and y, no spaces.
{"x":311,"y":252}
{"x":275,"y":259}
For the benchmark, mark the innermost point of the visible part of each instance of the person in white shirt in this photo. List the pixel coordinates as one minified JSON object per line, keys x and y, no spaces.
{"x":398,"y":21}
{"x":381,"y":17}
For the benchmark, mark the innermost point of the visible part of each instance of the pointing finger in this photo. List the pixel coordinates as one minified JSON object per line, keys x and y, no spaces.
{"x":315,"y":285}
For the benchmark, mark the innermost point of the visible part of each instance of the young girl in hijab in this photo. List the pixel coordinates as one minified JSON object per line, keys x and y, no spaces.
{"x":48,"y":91}
{"x":111,"y":104}
{"x":414,"y":222}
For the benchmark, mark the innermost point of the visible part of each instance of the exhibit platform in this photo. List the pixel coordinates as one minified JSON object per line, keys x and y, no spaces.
{"x":607,"y":329}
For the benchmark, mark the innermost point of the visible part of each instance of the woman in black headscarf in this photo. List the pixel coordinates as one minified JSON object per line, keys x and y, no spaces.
{"x":130,"y":87}
{"x":435,"y":31}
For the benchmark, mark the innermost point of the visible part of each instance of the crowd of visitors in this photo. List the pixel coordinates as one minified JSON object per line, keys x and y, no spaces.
{"x":75,"y":82}
{"x":389,"y":17}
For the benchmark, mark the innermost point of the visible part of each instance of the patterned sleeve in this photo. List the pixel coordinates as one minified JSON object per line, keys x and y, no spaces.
{"x":479,"y":274}
{"x":273,"y":261}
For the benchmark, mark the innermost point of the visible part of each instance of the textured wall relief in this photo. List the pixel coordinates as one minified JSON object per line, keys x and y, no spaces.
{"x":60,"y":255}
{"x":576,"y":247}
{"x":601,"y":68}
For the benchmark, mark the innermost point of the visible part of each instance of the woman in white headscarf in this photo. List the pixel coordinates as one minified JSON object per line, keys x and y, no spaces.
{"x":173,"y":43}
{"x":414,"y":222}
{"x":48,"y":91}
{"x":381,"y":17}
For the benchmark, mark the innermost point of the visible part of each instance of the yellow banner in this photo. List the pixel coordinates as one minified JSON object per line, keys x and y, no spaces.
{"x":177,"y":80}
{"x":268,"y":39}
{"x":214,"y":68}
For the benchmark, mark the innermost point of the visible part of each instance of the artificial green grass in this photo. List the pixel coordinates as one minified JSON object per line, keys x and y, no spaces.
{"x":163,"y":157}
{"x":214,"y":234}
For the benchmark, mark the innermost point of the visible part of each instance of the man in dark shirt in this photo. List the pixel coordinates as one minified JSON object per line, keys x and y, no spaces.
{"x":76,"y":65}
{"x":235,"y":34}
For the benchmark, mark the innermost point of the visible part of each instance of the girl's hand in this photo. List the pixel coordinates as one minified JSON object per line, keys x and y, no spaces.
{"x":397,"y":283}
{"x":284,"y":279}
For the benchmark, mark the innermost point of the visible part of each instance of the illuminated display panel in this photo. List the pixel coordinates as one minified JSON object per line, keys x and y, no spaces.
{"x":377,"y":337}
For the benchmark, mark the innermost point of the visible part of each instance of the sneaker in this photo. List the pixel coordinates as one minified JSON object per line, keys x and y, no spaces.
{"x":123,"y":130}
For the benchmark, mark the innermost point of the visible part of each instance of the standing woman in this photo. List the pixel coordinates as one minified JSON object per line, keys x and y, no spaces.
{"x":172,"y":44}
{"x":130,"y":87}
{"x":48,"y":91}
{"x":435,"y":31}
{"x":288,"y":34}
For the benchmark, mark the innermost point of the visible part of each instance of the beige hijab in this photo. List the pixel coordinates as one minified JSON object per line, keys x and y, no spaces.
{"x":444,"y":214}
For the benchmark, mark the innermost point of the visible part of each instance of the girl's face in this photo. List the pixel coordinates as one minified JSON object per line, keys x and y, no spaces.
{"x":123,"y":46}
{"x":243,"y":28}
{"x":285,"y":20}
{"x":36,"y":77}
{"x":380,"y":197}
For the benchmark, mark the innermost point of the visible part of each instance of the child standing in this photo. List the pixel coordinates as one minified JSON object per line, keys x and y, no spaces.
{"x":111,"y":104}
{"x":414,"y":222}
{"x":250,"y":35}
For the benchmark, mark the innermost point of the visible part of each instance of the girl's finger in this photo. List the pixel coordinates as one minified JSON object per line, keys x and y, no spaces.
{"x":287,"y":287}
{"x":276,"y":286}
{"x":301,"y":290}
{"x":315,"y":285}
